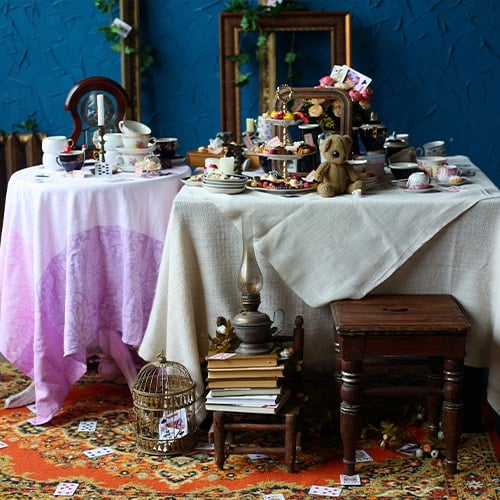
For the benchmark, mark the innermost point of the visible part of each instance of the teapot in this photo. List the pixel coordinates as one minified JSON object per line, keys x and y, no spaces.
{"x":397,"y":150}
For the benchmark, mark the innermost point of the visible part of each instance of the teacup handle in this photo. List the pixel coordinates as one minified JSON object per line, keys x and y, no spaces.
{"x":119,"y":157}
{"x":420,"y":151}
{"x":120,"y":126}
{"x":58,"y":162}
{"x":152,"y":141}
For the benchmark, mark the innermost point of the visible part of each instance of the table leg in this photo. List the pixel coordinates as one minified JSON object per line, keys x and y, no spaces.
{"x":452,"y":411}
{"x":350,"y":409}
{"x":23,"y":398}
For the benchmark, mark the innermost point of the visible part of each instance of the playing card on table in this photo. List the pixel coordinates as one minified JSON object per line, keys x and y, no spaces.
{"x":98,"y":452}
{"x":87,"y":426}
{"x":65,"y":489}
{"x":274,"y":496}
{"x":3,"y":445}
{"x":257,"y":456}
{"x":325,"y":491}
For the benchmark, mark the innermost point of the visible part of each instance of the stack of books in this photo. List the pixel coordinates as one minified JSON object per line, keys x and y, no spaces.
{"x":245,"y":384}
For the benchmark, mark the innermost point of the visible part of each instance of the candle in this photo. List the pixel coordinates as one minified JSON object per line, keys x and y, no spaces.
{"x":100,"y":110}
{"x":226,"y":164}
{"x":250,"y":125}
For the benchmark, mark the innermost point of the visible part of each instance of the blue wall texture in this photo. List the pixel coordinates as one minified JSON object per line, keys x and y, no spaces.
{"x":434,"y":64}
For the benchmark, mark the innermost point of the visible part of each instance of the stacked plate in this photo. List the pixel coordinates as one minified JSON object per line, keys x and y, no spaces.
{"x":224,"y":184}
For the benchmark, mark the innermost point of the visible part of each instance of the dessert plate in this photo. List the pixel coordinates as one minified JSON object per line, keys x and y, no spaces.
{"x":283,"y":191}
{"x":426,"y":190}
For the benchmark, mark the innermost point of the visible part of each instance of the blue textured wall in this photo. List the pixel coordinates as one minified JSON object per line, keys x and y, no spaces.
{"x":435,"y":66}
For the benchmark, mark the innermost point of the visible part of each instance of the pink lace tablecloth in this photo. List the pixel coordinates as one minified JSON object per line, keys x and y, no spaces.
{"x":79,"y":262}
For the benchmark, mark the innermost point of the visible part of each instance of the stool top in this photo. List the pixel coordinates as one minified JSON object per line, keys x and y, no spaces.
{"x":410,"y":314}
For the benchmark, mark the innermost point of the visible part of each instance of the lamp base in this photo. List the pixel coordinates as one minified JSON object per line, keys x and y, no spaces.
{"x":252,"y":349}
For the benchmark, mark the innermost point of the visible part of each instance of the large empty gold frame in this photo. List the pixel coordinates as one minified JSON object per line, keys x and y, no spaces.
{"x":336,"y":24}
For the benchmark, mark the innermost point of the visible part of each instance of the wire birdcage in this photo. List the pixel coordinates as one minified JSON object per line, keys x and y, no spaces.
{"x":164,"y":406}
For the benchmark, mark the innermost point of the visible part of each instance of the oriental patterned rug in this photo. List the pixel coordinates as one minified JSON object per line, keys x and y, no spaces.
{"x":37,"y":458}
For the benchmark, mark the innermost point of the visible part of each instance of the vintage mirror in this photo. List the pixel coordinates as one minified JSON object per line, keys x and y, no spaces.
{"x":333,"y":26}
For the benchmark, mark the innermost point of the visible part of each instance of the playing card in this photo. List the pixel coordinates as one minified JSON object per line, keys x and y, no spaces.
{"x":350,"y":480}
{"x":87,"y":426}
{"x":32,"y":408}
{"x":339,"y":72}
{"x":362,"y":456}
{"x":98,"y":452}
{"x":65,"y":489}
{"x":3,"y":445}
{"x":273,"y":496}
{"x":358,"y":80}
{"x":325,"y":491}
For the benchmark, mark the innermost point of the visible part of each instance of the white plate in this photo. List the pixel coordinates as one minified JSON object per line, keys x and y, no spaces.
{"x":426,"y":190}
{"x":190,"y":182}
{"x":283,"y":191}
{"x":222,"y":190}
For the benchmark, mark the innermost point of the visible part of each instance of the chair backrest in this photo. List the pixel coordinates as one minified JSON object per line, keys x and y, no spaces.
{"x":81,"y":102}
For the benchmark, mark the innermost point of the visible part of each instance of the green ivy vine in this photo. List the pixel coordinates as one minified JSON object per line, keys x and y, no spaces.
{"x":251,"y":16}
{"x":112,"y":34}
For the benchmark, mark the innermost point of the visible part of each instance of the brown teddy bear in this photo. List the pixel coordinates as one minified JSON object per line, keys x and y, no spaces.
{"x":334,"y":174}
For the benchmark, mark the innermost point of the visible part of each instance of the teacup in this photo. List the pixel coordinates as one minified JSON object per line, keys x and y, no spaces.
{"x":112,"y":140}
{"x":433,"y":148}
{"x":445,"y":172}
{"x":71,"y":161}
{"x":54,"y":144}
{"x":166,"y":147}
{"x":418,"y":180}
{"x":431,"y":164}
{"x":132,"y":128}
{"x":138,"y":141}
{"x":129,"y":157}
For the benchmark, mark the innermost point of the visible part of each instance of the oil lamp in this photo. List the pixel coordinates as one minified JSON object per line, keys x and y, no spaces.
{"x":252,"y":327}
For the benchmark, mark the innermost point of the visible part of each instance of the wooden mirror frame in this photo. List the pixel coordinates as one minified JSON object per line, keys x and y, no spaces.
{"x":336,"y":24}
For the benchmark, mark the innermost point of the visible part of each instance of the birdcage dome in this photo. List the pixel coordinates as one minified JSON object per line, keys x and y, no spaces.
{"x":164,"y":406}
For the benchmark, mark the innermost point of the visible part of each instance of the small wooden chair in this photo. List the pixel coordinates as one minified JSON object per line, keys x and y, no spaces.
{"x":286,"y":421}
{"x":402,"y":326}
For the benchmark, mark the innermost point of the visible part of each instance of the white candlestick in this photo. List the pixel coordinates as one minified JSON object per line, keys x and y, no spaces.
{"x":100,"y":110}
{"x":250,"y":125}
{"x":226,"y":164}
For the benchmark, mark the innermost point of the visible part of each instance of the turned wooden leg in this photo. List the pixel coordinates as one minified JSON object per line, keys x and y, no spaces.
{"x":350,"y":407}
{"x":435,"y":401}
{"x":219,"y":439}
{"x":452,"y":411}
{"x":290,"y":440}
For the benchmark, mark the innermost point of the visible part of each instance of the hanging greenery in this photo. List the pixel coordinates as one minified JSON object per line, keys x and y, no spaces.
{"x":251,"y":16}
{"x":111,"y":33}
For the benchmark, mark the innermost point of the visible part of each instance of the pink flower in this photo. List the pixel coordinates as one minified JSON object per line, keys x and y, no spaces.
{"x":366,"y":93}
{"x":326,"y":81}
{"x":355,"y":95}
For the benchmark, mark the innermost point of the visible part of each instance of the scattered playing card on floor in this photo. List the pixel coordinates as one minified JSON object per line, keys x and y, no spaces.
{"x":98,"y":452}
{"x":362,"y":456}
{"x":325,"y":491}
{"x":273,"y":496}
{"x":408,"y":449}
{"x":65,"y":489}
{"x":257,"y":456}
{"x":32,"y":408}
{"x":87,"y":426}
{"x":350,"y":480}
{"x":3,"y":445}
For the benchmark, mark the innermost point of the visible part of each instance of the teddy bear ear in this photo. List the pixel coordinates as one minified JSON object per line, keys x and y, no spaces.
{"x":327,"y":143}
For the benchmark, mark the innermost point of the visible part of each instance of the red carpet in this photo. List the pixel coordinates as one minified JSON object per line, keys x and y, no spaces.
{"x":37,"y":459}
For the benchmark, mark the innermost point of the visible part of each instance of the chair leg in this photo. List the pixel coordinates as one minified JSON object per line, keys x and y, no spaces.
{"x":434,"y":401}
{"x":219,"y":439}
{"x":290,"y":440}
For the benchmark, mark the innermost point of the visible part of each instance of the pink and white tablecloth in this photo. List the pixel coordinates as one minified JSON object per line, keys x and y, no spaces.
{"x":79,"y":262}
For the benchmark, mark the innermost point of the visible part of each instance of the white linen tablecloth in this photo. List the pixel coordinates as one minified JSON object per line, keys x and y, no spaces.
{"x":314,"y":250}
{"x":79,"y":260}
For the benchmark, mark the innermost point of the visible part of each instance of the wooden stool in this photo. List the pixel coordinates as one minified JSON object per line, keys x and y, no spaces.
{"x":431,"y":326}
{"x":285,"y":422}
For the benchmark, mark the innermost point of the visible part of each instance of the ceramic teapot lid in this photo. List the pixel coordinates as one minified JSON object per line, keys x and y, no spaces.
{"x":373,"y":123}
{"x":393,"y":142}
